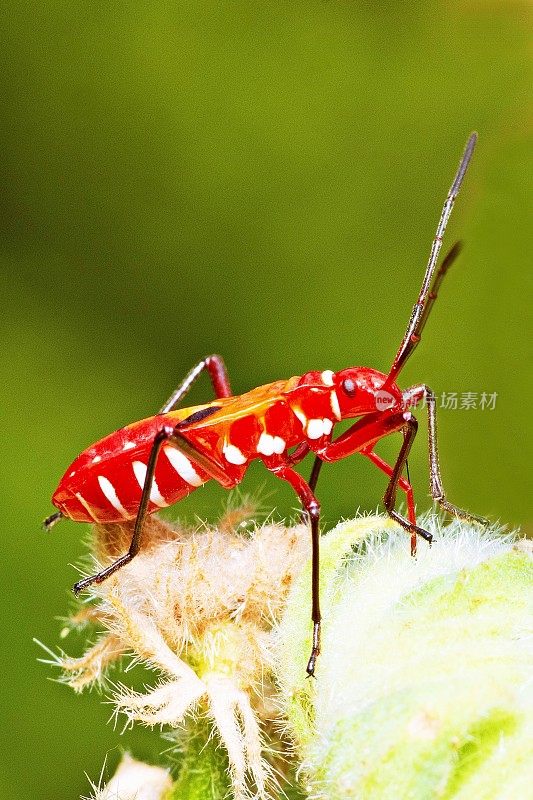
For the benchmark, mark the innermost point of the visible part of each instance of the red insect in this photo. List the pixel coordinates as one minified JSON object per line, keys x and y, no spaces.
{"x":153,"y":463}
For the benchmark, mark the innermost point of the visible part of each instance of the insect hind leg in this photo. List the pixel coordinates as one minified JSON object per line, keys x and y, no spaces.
{"x":216,"y":368}
{"x":170,"y":436}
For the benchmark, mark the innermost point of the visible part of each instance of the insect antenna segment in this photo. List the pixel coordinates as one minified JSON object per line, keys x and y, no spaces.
{"x":428,"y":291}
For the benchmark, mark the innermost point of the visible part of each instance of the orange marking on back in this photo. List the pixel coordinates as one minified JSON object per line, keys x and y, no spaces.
{"x":256,"y":403}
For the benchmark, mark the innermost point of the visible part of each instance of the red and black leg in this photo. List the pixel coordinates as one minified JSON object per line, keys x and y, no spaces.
{"x":361,"y":437}
{"x":312,"y":508}
{"x":169,"y":436}
{"x":404,"y":485}
{"x":409,"y":432}
{"x":219,"y":378}
{"x":313,"y":478}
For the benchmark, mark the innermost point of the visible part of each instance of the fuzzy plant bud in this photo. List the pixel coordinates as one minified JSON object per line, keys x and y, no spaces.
{"x":423,"y":688}
{"x":197,"y":608}
{"x":422,"y":685}
{"x":134,"y":780}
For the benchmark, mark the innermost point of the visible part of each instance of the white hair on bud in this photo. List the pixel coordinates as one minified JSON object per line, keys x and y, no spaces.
{"x":206,"y":598}
{"x":134,"y":780}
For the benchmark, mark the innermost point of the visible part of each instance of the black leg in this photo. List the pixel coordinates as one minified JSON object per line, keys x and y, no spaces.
{"x":410,"y":429}
{"x":162,"y":437}
{"x":314,"y":515}
{"x":312,"y":508}
{"x":436,"y":487}
{"x":219,"y":378}
{"x":315,"y":472}
{"x":214,"y":470}
{"x":313,"y":479}
{"x":214,"y":364}
{"x":171,"y":436}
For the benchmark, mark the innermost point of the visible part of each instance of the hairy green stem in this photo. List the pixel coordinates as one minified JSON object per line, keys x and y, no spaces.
{"x":203,"y":773}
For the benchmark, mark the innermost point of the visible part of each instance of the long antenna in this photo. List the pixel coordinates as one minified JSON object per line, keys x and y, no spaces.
{"x":425,"y":300}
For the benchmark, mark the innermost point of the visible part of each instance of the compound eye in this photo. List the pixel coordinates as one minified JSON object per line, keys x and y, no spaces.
{"x":349,"y":387}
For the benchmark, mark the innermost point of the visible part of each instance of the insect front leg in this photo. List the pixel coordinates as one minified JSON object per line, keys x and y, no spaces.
{"x":395,"y":474}
{"x":404,"y":485}
{"x":312,"y":508}
{"x":170,"y":436}
{"x":435,"y":480}
{"x":361,"y":437}
{"x":218,"y":373}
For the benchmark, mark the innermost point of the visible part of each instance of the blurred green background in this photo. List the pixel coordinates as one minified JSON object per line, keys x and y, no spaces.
{"x":261,"y":180}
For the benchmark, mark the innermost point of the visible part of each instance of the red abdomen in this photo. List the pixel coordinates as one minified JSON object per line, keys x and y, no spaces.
{"x":104,"y":484}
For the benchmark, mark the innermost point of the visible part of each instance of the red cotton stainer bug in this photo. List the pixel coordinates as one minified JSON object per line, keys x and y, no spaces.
{"x":155,"y":462}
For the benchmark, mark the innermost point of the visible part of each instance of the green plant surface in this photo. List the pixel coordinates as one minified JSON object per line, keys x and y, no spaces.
{"x":203,"y":773}
{"x":423,"y":689}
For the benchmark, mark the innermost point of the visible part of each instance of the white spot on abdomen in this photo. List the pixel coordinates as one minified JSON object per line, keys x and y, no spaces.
{"x":111,"y":495}
{"x":268,"y":445}
{"x":183,"y":466}
{"x":86,"y":506}
{"x":233,"y":455}
{"x":128,"y":445}
{"x":155,"y":496}
{"x":327,"y":377}
{"x":96,"y":459}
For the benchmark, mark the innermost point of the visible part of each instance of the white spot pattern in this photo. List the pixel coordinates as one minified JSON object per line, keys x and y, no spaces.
{"x":183,"y":466}
{"x":155,"y":495}
{"x":327,"y":377}
{"x":128,"y":445}
{"x":110,"y":493}
{"x":335,"y":407}
{"x":301,"y":416}
{"x":279,"y":445}
{"x":233,"y":455}
{"x":86,"y":506}
{"x":319,"y":427}
{"x":315,"y":428}
{"x":268,"y":445}
{"x":96,"y":459}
